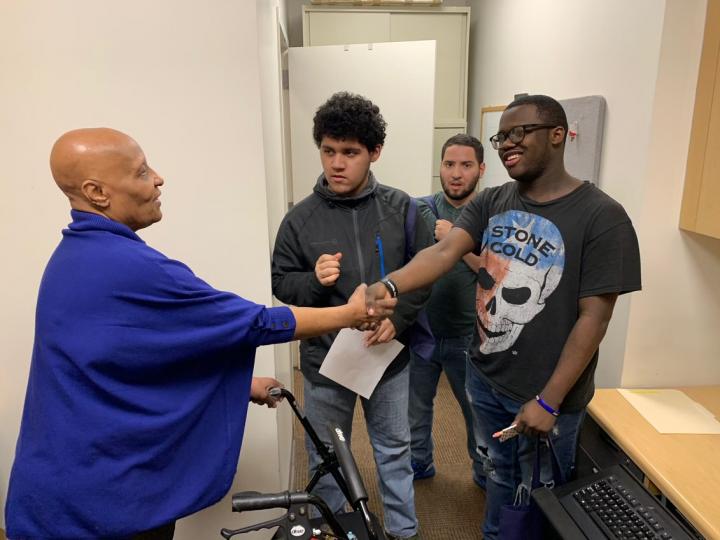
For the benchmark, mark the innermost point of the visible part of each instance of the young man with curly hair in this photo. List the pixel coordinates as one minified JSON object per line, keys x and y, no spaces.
{"x":352,"y":230}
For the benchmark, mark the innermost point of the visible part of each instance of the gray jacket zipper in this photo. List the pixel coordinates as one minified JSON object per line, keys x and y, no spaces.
{"x":356,"y":230}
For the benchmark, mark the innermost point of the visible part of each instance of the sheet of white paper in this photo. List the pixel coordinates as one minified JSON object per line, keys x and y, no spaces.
{"x":357,"y":367}
{"x":672,"y":411}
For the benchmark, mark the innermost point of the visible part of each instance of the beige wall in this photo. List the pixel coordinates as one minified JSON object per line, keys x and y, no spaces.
{"x":183,"y":78}
{"x":673,"y":336}
{"x":272,"y":20}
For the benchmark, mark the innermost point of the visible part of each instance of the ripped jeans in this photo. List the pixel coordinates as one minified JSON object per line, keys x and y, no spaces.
{"x":509,"y":465}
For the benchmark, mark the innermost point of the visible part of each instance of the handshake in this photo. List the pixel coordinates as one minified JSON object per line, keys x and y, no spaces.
{"x":370,"y":305}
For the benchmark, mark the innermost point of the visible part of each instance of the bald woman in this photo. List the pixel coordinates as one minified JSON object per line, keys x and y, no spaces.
{"x":141,"y":372}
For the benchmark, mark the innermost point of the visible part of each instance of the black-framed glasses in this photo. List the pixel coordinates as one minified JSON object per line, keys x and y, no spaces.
{"x":516,"y":134}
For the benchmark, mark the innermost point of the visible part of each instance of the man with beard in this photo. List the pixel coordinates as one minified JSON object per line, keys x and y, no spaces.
{"x":555,"y":254}
{"x":451,"y":308}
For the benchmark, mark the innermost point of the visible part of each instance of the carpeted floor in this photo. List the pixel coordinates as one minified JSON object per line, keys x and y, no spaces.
{"x":449,"y":506}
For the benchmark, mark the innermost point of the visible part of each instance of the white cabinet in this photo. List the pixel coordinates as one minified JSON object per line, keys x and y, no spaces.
{"x":343,"y":27}
{"x":448,"y":26}
{"x":449,"y":30}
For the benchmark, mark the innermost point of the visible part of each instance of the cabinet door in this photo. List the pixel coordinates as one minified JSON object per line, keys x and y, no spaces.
{"x":701,"y":198}
{"x":708,"y":215}
{"x":406,"y":158}
{"x":341,"y":28}
{"x":450,"y":31}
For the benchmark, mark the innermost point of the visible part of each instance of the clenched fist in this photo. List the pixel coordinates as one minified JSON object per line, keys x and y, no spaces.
{"x":442,"y":227}
{"x":327,"y":269}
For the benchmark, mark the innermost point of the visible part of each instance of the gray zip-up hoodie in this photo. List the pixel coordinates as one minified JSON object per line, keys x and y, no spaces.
{"x":325,"y":223}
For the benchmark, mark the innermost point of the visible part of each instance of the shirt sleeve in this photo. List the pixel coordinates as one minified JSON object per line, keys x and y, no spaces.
{"x":276,"y":325}
{"x":474,"y":217}
{"x":171,"y":316}
{"x":611,"y":255}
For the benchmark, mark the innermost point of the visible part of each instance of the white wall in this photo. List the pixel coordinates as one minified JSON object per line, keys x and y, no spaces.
{"x":572,"y":48}
{"x":673,"y":334}
{"x":181,"y":77}
{"x":272,"y":21}
{"x":377,"y":73}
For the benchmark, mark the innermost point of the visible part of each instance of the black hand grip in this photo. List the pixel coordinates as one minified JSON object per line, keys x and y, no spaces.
{"x":356,"y":488}
{"x":253,"y":500}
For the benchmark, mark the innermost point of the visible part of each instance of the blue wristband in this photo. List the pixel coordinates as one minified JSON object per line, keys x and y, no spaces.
{"x":545,"y":406}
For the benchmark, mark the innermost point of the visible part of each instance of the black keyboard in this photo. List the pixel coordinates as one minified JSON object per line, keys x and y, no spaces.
{"x":610,"y":504}
{"x":617,"y":510}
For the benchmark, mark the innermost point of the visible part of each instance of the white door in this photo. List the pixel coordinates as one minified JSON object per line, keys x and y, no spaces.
{"x":398,"y":77}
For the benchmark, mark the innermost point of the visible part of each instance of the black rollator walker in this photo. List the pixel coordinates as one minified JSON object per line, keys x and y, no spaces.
{"x":296,"y":524}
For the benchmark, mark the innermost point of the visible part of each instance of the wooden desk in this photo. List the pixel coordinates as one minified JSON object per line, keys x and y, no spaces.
{"x":686,"y":468}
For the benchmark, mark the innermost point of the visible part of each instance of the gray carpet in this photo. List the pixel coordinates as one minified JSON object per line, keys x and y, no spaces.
{"x":449,"y":506}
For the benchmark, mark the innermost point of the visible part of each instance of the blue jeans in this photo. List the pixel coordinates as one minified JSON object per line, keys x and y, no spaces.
{"x":450,"y":356}
{"x":387,"y":424}
{"x":509,"y":465}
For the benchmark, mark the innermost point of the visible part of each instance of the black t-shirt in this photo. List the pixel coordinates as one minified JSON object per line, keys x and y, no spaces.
{"x":538,"y":260}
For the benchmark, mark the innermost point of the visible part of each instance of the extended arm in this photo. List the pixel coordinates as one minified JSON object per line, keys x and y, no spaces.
{"x":311,"y":322}
{"x":583,"y":341}
{"x":473,"y":261}
{"x":411,"y":302}
{"x":442,"y":229}
{"x":426,"y":267}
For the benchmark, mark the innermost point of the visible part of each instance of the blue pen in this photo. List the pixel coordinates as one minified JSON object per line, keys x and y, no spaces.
{"x":378,"y":243}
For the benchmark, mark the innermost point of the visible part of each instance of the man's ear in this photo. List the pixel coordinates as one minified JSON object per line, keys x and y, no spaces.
{"x":95,"y":194}
{"x":557,"y":135}
{"x":375,"y":154}
{"x":482,"y":169}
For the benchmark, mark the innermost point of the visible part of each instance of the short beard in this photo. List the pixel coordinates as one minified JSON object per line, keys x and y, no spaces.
{"x":462,"y":195}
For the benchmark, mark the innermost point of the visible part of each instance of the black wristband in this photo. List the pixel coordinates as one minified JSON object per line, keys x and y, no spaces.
{"x":391,"y":287}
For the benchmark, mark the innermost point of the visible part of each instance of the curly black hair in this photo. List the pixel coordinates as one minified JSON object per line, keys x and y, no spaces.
{"x":349,"y":116}
{"x":549,"y":110}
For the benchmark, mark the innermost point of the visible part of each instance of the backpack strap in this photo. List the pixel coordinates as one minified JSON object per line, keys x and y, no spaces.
{"x":410,"y":220}
{"x":430,"y":201}
{"x":421,"y":341}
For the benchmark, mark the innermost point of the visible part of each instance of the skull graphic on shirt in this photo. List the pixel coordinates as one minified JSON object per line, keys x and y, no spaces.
{"x":522,"y":261}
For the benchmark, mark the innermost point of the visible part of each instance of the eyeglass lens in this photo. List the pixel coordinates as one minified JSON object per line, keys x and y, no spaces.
{"x":516,"y":135}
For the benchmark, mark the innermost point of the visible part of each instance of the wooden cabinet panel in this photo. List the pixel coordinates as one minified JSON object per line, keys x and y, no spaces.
{"x":701,"y":199}
{"x":708,"y":215}
{"x":450,"y":31}
{"x":341,"y":28}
